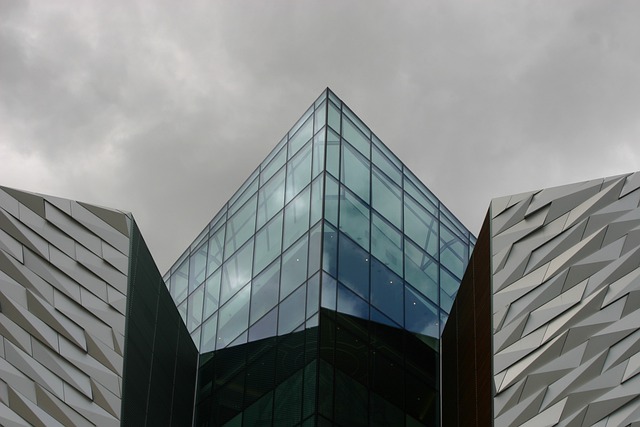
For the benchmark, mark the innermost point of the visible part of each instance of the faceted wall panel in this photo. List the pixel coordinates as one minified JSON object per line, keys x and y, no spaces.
{"x":63,"y":287}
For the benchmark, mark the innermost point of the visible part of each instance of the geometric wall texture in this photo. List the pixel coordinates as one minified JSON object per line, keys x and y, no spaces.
{"x":79,"y":304}
{"x":334,"y":257}
{"x":564,"y":292}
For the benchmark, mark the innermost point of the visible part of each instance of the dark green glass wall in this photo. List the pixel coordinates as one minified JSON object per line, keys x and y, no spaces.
{"x":160,"y":359}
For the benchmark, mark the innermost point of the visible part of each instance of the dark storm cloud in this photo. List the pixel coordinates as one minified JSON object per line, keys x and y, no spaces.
{"x":164,"y":108}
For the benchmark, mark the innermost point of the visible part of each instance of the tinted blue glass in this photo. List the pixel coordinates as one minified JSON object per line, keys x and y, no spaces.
{"x":386,"y":244}
{"x":316,"y":200}
{"x":296,"y":217}
{"x":291,"y":312}
{"x":313,"y":294}
{"x":240,"y":227}
{"x":355,"y":137}
{"x":378,"y":317}
{"x":354,"y":218}
{"x":331,"y":200}
{"x":421,"y":226}
{"x":264,"y":291}
{"x":387,"y":292}
{"x":421,"y":270}
{"x":303,"y":135}
{"x":294,"y":267}
{"x":350,"y":303}
{"x":386,"y":198}
{"x":421,"y":316}
{"x":334,"y":117}
{"x":318,"y":153}
{"x":328,"y":292}
{"x":427,"y":203}
{"x":353,"y":267}
{"x":236,"y":272}
{"x":233,"y":318}
{"x":320,"y":116}
{"x":245,"y":192}
{"x":277,"y":162}
{"x":271,"y":198}
{"x":452,"y":252}
{"x":298,"y":172}
{"x":265,"y":327}
{"x":333,"y":153}
{"x":215,"y":252}
{"x":354,"y":172}
{"x":330,"y":250}
{"x":268,"y":244}
{"x":315,"y":243}
{"x":386,"y":166}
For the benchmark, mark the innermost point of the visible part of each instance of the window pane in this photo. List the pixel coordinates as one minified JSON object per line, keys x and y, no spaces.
{"x":387,"y":198}
{"x":236,"y":272}
{"x":180,"y":282}
{"x":387,"y":292}
{"x":249,"y":191}
{"x":303,"y":135}
{"x":354,"y":219}
{"x":233,"y":318}
{"x":320,"y":114}
{"x":240,"y":227}
{"x":334,"y":117}
{"x":313,"y":294}
{"x":318,"y":153}
{"x":315,"y":241}
{"x":274,"y":166}
{"x":296,"y":217}
{"x":268,"y":244}
{"x":331,"y":200}
{"x":333,"y":153}
{"x":328,"y":292}
{"x":264,"y":291}
{"x":421,"y":271}
{"x":294,"y":267}
{"x":194,"y":311}
{"x":386,"y":244}
{"x":292,"y":311}
{"x":316,"y":200}
{"x":298,"y":172}
{"x":420,"y":315}
{"x":208,"y":337}
{"x":352,"y":134}
{"x":421,"y":227}
{"x":271,"y":198}
{"x":349,"y":303}
{"x":216,"y":248}
{"x":353,"y":267}
{"x":452,"y":252}
{"x":386,"y":166}
{"x":197,"y":267}
{"x":427,"y":203}
{"x":330,"y":250}
{"x":355,"y":172}
{"x":265,"y":327}
{"x":212,"y":294}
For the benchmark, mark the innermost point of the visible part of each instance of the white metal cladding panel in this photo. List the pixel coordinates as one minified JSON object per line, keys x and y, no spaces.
{"x":63,"y":281}
{"x":566,"y":305}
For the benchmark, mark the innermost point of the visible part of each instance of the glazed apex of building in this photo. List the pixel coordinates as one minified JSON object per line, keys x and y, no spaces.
{"x":318,"y":296}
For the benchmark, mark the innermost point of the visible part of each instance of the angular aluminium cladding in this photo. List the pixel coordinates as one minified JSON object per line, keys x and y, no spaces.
{"x":554,"y":284}
{"x":79,"y":296}
{"x":329,"y":176}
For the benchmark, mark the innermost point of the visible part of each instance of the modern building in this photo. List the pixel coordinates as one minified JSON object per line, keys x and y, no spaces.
{"x":545,"y":329}
{"x":318,"y":296}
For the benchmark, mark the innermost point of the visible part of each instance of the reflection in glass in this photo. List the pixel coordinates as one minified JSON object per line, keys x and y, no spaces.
{"x":421,"y":270}
{"x":208,"y":336}
{"x":421,"y":227}
{"x":386,"y":244}
{"x":268,"y":244}
{"x":318,"y":153}
{"x":212,"y":293}
{"x":331,"y":200}
{"x":328,"y":291}
{"x":294,"y":267}
{"x":292,"y":311}
{"x":353,"y":267}
{"x":194,"y":312}
{"x":180,"y":282}
{"x":233,"y":318}
{"x":352,"y":134}
{"x":298,"y":172}
{"x":350,"y":303}
{"x":421,"y":316}
{"x":453,"y":253}
{"x":240,"y":227}
{"x":303,"y":135}
{"x":354,"y":218}
{"x":236,"y":272}
{"x":386,"y":198}
{"x":355,"y":172}
{"x":333,"y":153}
{"x":387,"y":291}
{"x":265,"y":327}
{"x":271,"y":198}
{"x":330,"y":250}
{"x":264,"y":291}
{"x":216,"y":250}
{"x":277,"y":162}
{"x":296,"y":217}
{"x":197,"y":266}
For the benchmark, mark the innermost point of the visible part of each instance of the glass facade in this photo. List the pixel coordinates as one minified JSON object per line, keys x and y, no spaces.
{"x":330,"y":221}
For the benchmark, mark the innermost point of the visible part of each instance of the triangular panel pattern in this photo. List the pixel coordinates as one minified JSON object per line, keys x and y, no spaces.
{"x":566,"y":296}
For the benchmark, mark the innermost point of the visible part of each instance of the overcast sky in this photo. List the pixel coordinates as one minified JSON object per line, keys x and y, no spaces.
{"x":163,"y":108}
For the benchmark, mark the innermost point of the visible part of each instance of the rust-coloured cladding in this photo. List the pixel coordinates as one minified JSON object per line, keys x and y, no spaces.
{"x":466,"y":344}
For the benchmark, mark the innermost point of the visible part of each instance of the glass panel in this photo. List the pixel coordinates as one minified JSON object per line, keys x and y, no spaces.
{"x":318,"y":153}
{"x":412,"y":185}
{"x":331,"y":200}
{"x":386,"y":166}
{"x":215,"y":252}
{"x":265,"y":327}
{"x":248,"y":192}
{"x":453,"y":253}
{"x":353,"y":267}
{"x":296,"y":217}
{"x":420,"y":315}
{"x":387,"y":198}
{"x":264,"y":291}
{"x":349,"y":303}
{"x":212,"y":294}
{"x":315,"y":243}
{"x":292,"y":311}
{"x":330,"y":250}
{"x":271,"y":198}
{"x":334,"y":117}
{"x":453,"y":223}
{"x":320,"y":115}
{"x":334,"y":98}
{"x":274,"y":166}
{"x":182,"y":310}
{"x":328,"y":292}
{"x":208,"y":337}
{"x":197,"y":267}
{"x":233,"y":318}
{"x":313,"y":294}
{"x":195,"y":337}
{"x":354,"y":219}
{"x":355,"y":172}
{"x":301,"y":137}
{"x":333,"y":153}
{"x":351,"y":133}
{"x":298,"y":172}
{"x":218,"y":220}
{"x":294,"y":267}
{"x":356,"y":121}
{"x":180,"y":282}
{"x":236,"y":272}
{"x":387,"y":292}
{"x":301,"y":121}
{"x":421,"y":227}
{"x":386,"y":244}
{"x":316,"y":200}
{"x":240,"y":227}
{"x":194,"y":312}
{"x":268,"y":244}
{"x":384,"y":150}
{"x":421,"y":270}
